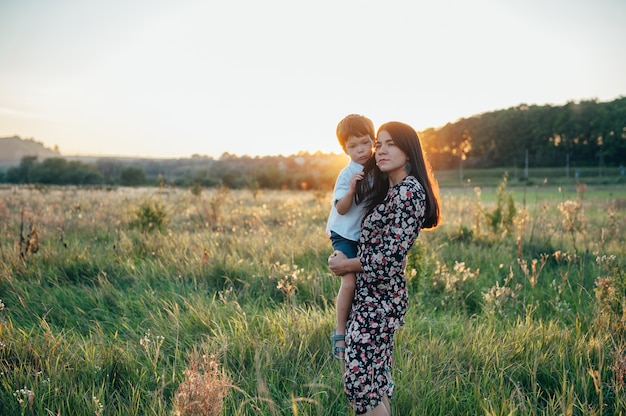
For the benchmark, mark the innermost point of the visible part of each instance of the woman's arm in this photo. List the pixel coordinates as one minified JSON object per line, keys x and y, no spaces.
{"x":339,"y":264}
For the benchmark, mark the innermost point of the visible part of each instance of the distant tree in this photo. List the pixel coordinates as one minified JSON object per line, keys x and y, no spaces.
{"x":21,"y":173}
{"x":109,"y":168}
{"x":50,"y":171}
{"x":133,"y":176}
{"x":203,"y":178}
{"x":78,"y":173}
{"x":58,"y":171}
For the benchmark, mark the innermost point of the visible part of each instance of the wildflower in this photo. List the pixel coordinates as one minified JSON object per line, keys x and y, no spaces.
{"x":145,"y":341}
{"x":498,"y":296}
{"x":602,"y":261}
{"x":288,"y":281}
{"x":572,"y":215}
{"x":25,"y":394}
{"x":98,"y":406}
{"x":533,"y":275}
{"x":453,"y":281}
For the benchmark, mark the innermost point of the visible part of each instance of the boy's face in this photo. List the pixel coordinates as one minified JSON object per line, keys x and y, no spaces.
{"x":359,"y":148}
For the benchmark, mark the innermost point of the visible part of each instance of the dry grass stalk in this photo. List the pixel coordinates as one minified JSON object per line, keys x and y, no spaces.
{"x":204,"y":388}
{"x":31,"y":242}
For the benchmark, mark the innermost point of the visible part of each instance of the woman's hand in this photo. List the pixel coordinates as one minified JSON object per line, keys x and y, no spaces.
{"x":339,"y":264}
{"x":334,"y":262}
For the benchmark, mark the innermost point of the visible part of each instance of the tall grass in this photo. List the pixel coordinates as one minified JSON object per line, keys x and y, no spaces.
{"x":166,"y":301}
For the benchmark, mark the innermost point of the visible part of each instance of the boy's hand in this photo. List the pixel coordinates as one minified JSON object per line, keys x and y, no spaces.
{"x":354,"y":180}
{"x":343,"y":205}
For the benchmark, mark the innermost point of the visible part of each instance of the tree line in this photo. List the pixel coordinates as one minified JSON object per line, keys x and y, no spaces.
{"x":302,"y":171}
{"x":584,"y":134}
{"x":581,"y":134}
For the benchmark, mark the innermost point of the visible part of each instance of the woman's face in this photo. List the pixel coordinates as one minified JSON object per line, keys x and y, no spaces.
{"x":390,"y":158}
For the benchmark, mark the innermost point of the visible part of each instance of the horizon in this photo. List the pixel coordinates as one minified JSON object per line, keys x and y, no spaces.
{"x":153,"y":79}
{"x":331,"y":152}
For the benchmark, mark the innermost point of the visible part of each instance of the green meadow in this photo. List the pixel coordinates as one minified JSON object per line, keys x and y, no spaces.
{"x":169,"y":301}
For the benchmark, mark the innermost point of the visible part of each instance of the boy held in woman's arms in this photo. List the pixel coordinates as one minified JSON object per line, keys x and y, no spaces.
{"x":355,"y":134}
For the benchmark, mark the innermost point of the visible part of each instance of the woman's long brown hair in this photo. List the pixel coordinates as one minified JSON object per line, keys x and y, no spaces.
{"x":373,"y":189}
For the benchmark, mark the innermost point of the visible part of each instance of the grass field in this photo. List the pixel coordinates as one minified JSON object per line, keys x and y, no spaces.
{"x":163,"y":302}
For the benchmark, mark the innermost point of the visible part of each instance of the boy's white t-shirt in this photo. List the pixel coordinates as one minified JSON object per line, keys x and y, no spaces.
{"x":347,"y":225}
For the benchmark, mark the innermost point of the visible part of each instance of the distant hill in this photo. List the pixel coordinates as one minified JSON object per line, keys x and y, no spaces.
{"x":13,"y":149}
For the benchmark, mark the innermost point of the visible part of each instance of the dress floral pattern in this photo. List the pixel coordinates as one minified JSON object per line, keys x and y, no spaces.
{"x":381,"y":297}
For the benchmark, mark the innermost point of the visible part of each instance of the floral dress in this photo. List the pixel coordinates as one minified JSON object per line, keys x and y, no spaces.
{"x":381,"y":298}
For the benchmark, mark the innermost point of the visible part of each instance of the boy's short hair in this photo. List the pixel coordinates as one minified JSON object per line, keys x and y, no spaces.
{"x":354,"y":125}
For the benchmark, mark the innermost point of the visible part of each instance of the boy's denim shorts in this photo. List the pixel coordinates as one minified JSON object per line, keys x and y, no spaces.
{"x":347,"y":247}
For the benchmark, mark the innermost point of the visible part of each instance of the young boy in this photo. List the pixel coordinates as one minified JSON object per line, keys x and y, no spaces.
{"x":356,"y":136}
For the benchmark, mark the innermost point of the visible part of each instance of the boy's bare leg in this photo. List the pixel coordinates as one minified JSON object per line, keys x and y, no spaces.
{"x":344,"y":304}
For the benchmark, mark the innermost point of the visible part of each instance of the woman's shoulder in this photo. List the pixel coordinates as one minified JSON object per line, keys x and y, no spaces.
{"x":409,"y":188}
{"x":411,"y":183}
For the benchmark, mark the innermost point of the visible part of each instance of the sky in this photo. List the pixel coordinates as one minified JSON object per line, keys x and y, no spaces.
{"x":172,"y":79}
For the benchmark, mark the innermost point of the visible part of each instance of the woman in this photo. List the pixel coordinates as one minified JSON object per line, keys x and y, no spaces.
{"x":401,"y":197}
